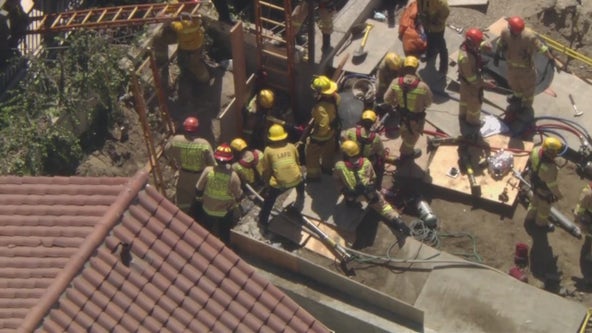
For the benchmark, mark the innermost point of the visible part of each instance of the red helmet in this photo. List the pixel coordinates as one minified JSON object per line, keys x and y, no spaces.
{"x":475,"y":36}
{"x":223,"y":153}
{"x":516,"y":24}
{"x":191,"y":124}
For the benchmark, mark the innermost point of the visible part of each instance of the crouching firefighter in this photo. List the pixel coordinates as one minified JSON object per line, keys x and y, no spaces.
{"x":355,"y":179}
{"x":369,"y":142}
{"x":543,"y":178}
{"x":411,"y":97}
{"x":219,"y":188}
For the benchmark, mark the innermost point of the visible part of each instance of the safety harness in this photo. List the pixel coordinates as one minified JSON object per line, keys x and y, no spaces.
{"x":363,"y":141}
{"x":406,"y":115}
{"x":360,"y":188}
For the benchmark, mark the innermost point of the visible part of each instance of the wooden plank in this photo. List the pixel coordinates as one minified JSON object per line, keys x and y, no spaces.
{"x":446,"y":157}
{"x":457,"y":3}
{"x":376,"y":47}
{"x":239,"y":69}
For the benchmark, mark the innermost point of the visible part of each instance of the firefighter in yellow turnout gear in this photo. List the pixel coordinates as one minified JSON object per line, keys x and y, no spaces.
{"x":355,"y":179}
{"x":281,"y":172}
{"x":519,"y":46}
{"x":220,"y":191}
{"x":369,"y":142}
{"x":189,"y":154}
{"x":326,"y":12}
{"x":190,"y":38}
{"x":410,"y":96}
{"x":321,"y":144}
{"x":255,"y":123}
{"x":249,"y":163}
{"x":388,"y":70}
{"x":543,"y":178}
{"x":470,"y":68}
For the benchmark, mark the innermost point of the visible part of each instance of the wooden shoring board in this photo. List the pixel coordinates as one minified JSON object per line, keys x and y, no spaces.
{"x":300,"y":236}
{"x":446,"y":157}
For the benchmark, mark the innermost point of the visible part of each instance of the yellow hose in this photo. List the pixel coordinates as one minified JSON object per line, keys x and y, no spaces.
{"x":585,"y":323}
{"x":566,"y":50}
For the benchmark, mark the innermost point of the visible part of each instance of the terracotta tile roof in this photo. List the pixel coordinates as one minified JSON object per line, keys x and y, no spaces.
{"x":115,"y":255}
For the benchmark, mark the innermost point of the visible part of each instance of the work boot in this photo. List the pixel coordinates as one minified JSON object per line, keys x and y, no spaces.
{"x":326,"y":43}
{"x":400,"y":226}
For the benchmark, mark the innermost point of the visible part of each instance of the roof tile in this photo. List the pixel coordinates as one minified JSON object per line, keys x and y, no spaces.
{"x":275,"y":323}
{"x":106,"y":321}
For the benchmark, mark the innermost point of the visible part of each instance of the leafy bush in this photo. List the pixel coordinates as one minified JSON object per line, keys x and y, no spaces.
{"x":60,"y":95}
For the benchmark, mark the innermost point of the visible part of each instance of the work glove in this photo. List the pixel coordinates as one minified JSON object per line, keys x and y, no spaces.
{"x":555,"y":65}
{"x":489,"y":84}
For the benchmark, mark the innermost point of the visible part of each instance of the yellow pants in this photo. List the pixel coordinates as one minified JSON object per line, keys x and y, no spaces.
{"x":522,"y":81}
{"x":191,"y":62}
{"x":542,"y":208}
{"x":325,"y":22}
{"x":186,"y":189}
{"x":470,"y":103}
{"x":410,"y":137}
{"x":319,"y":156}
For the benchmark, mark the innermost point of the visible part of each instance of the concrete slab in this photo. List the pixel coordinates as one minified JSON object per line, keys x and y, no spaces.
{"x":455,"y":300}
{"x":457,"y":3}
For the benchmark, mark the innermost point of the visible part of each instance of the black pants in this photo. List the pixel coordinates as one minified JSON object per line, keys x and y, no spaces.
{"x":220,"y":226}
{"x":223,"y":11}
{"x":272,"y":196}
{"x":437,"y":46}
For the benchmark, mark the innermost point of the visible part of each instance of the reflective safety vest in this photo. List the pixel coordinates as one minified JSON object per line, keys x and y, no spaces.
{"x":189,"y":34}
{"x":539,"y":170}
{"x":249,"y":171}
{"x":355,"y":175}
{"x":192,"y":155}
{"x":407,"y":95}
{"x":218,"y":188}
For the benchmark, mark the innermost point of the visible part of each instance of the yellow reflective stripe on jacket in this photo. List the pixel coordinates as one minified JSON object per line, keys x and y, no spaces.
{"x":218,"y":188}
{"x":192,"y":155}
{"x":411,"y":96}
{"x":248,"y":174}
{"x":350,"y":178}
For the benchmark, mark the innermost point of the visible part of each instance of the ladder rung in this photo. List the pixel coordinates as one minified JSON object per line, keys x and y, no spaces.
{"x":56,"y":21}
{"x":71,"y":19}
{"x":274,"y":22}
{"x":276,"y":70}
{"x":275,"y":54}
{"x":148,"y":12}
{"x":117,"y":14}
{"x":102,"y":15}
{"x":274,"y":37}
{"x":270,"y":5}
{"x":133,"y":12}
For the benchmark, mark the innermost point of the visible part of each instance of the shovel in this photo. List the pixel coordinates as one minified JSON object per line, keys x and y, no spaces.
{"x":360,"y":53}
{"x":577,"y":112}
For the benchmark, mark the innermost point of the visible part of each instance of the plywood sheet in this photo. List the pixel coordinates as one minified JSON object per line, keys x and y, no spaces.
{"x":377,"y":45}
{"x":446,"y":157}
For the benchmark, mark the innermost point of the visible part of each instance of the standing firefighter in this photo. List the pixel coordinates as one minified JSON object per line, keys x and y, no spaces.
{"x":519,"y":45}
{"x":410,"y":96}
{"x":281,"y":172}
{"x":190,"y":155}
{"x":355,"y":179}
{"x":543,"y":178}
{"x":255,"y":117}
{"x":370,"y":143}
{"x":433,"y":15}
{"x":470,"y":68}
{"x":326,"y":12}
{"x":388,"y":70}
{"x":219,"y":188}
{"x":190,"y":38}
{"x":583,"y":213}
{"x":249,"y":163}
{"x":321,"y":144}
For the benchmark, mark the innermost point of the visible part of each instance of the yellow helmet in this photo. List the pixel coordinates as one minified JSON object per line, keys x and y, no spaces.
{"x":552,"y":146}
{"x":277,"y":133}
{"x":238,"y":144}
{"x":411,"y":62}
{"x":369,"y":115}
{"x":393,"y":61}
{"x":266,"y":98}
{"x":350,"y":148}
{"x":323,"y":85}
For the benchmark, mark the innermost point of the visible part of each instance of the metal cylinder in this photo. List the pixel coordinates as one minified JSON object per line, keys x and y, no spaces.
{"x":426,"y":214}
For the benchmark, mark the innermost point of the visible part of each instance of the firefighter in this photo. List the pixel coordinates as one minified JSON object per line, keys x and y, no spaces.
{"x":248,"y":163}
{"x":518,"y":45}
{"x":190,"y":39}
{"x":433,"y":15}
{"x":326,"y":12}
{"x":254,"y":117}
{"x":583,"y":215}
{"x":219,"y":190}
{"x":321,"y":143}
{"x":410,"y":96}
{"x":388,"y":70}
{"x":189,"y":154}
{"x":281,"y":172}
{"x":543,"y":178}
{"x":355,"y":179}
{"x":470,"y":68}
{"x":369,"y":142}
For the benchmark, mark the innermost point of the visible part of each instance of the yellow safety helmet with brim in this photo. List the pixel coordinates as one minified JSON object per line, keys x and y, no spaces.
{"x":266,"y":98}
{"x":323,"y":85}
{"x":411,"y":62}
{"x":277,"y":133}
{"x":393,"y":61}
{"x":552,"y":146}
{"x":369,"y":115}
{"x":238,"y":144}
{"x":350,"y":148}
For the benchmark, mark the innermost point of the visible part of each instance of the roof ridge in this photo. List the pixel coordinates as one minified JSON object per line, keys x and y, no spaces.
{"x":77,"y":261}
